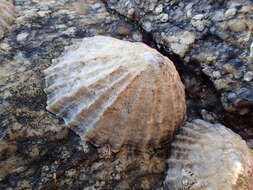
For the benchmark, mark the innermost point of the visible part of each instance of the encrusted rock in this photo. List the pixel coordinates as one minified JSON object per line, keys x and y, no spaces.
{"x":221,"y":33}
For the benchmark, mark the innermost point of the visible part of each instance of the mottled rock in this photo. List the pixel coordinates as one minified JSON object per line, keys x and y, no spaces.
{"x":180,"y":42}
{"x":222,"y":33}
{"x":36,"y":150}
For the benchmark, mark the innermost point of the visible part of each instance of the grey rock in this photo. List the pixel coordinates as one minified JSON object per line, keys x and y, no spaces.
{"x":222,"y":33}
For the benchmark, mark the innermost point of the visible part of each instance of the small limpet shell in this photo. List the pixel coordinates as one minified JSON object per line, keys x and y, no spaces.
{"x":207,"y":156}
{"x":7,"y":14}
{"x":115,"y":93}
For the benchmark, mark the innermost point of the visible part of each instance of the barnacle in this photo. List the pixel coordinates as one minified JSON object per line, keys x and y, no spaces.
{"x":209,"y":156}
{"x":116,"y":93}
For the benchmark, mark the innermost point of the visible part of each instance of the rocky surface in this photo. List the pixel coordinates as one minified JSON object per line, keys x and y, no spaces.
{"x":38,"y":152}
{"x":216,"y":35}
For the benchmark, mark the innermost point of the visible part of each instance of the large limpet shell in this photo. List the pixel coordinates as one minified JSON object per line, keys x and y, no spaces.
{"x":115,"y":93}
{"x":7,"y":14}
{"x":207,"y":156}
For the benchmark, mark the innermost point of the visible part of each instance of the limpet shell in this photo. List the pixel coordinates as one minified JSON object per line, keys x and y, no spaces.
{"x":207,"y":156}
{"x":7,"y":14}
{"x":115,"y":93}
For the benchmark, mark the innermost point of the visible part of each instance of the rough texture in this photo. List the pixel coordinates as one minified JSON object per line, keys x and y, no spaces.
{"x":37,"y":151}
{"x":7,"y":15}
{"x":215,"y":34}
{"x":209,"y":156}
{"x":116,"y":93}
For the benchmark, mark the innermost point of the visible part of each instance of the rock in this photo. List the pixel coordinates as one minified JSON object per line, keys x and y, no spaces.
{"x":237,"y":25}
{"x":221,"y":35}
{"x":163,"y":17}
{"x":248,"y":76}
{"x":180,"y":42}
{"x":230,"y":13}
{"x":22,"y":36}
{"x":37,"y":151}
{"x":159,"y":9}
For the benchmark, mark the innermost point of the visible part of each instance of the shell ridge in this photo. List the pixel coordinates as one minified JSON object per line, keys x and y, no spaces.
{"x":93,"y":90}
{"x":192,"y":131}
{"x":181,"y":146}
{"x":89,"y":74}
{"x":174,"y":97}
{"x":98,"y":95}
{"x":150,"y":122}
{"x":211,"y":165}
{"x":160,"y":114}
{"x":188,"y":139}
{"x":101,"y":75}
{"x":61,"y":71}
{"x":89,"y":122}
{"x":6,"y":14}
{"x":91,"y":99}
{"x":59,"y":85}
{"x":73,"y":84}
{"x":3,"y":23}
{"x":136,"y":98}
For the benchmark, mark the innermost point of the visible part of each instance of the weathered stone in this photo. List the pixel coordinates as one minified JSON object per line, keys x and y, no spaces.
{"x":222,"y":35}
{"x":37,"y":152}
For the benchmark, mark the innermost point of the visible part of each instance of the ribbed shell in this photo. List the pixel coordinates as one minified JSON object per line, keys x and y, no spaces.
{"x":114,"y":93}
{"x":207,"y":156}
{"x":7,"y":14}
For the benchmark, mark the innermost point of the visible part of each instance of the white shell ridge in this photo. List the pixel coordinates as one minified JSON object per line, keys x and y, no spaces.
{"x":116,"y":93}
{"x":207,"y":156}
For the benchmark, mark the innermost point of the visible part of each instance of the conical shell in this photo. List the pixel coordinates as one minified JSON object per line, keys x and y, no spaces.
{"x":207,"y":156}
{"x":115,"y":93}
{"x":7,"y":14}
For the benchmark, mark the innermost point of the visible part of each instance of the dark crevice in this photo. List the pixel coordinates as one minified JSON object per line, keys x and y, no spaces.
{"x":147,"y":37}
